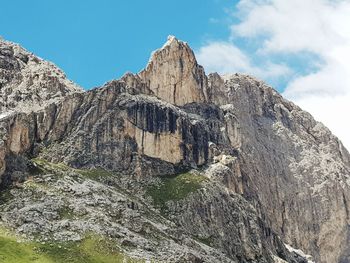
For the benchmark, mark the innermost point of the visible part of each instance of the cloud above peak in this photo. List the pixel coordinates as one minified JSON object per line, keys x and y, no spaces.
{"x":225,"y":57}
{"x":284,"y":31}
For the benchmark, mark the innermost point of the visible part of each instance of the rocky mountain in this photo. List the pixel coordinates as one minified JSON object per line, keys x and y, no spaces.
{"x":167,"y":165}
{"x":27,"y":82}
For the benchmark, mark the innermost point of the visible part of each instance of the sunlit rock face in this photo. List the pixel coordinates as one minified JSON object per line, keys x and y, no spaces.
{"x":295,"y":171}
{"x":174,"y":75}
{"x":273,"y":175}
{"x":27,"y":82}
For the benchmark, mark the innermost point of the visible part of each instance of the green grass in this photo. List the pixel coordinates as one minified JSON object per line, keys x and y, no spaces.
{"x":205,"y":240}
{"x":174,"y":188}
{"x":94,"y":174}
{"x":66,"y":213}
{"x":92,"y":249}
{"x":44,"y":165}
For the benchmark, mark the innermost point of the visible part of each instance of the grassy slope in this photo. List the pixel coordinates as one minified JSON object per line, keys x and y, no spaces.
{"x":174,"y":188}
{"x":42,"y":165}
{"x":91,"y":250}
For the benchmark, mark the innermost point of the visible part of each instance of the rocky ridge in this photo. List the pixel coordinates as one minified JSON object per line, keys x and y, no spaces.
{"x":27,"y":82}
{"x":264,"y":172}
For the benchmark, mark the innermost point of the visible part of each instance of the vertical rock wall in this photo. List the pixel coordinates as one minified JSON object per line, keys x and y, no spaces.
{"x":174,"y":75}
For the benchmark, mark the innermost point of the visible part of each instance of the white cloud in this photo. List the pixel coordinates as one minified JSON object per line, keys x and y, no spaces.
{"x":320,"y":27}
{"x":332,"y":111}
{"x":225,"y":57}
{"x":291,"y":26}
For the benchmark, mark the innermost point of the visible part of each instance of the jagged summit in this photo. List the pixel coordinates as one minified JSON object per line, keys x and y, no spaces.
{"x":170,"y":39}
{"x":171,"y":43}
{"x":174,"y":75}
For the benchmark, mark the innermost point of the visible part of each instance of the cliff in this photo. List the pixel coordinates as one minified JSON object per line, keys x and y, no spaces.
{"x":264,"y":177}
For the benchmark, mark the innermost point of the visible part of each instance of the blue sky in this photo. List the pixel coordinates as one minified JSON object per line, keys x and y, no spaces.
{"x":96,"y":41}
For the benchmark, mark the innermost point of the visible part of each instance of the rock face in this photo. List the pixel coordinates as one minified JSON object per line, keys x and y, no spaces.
{"x":264,"y":172}
{"x":112,"y":129}
{"x":174,"y":76}
{"x":295,"y":170}
{"x":27,"y":82}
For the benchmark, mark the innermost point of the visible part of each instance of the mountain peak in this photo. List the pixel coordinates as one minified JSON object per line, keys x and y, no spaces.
{"x":28,"y":82}
{"x":174,"y":75}
{"x":171,"y":39}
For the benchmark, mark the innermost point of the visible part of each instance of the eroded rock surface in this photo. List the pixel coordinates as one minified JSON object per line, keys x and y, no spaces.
{"x":274,"y":175}
{"x":27,"y":82}
{"x":295,"y":170}
{"x":174,"y":75}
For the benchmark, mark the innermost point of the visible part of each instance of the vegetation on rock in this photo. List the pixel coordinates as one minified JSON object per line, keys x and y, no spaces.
{"x":92,"y":249}
{"x":174,"y":188}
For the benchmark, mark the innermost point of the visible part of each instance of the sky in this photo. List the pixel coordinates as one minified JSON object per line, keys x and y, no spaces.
{"x":299,"y":47}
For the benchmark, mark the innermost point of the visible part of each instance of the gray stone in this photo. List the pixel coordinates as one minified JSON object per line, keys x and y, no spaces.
{"x":277,"y":182}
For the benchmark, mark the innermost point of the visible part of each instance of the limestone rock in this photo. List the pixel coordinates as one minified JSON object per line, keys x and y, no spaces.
{"x":274,"y":175}
{"x":27,"y":82}
{"x":174,"y":75}
{"x":295,"y":171}
{"x":101,"y":126}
